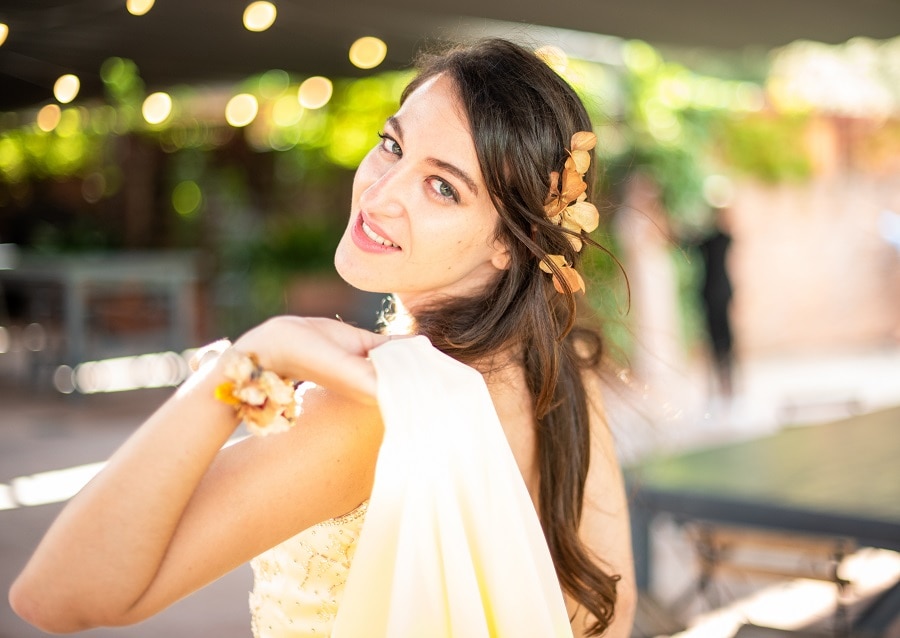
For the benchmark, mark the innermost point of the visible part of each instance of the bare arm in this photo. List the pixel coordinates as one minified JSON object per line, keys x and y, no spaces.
{"x":171,"y":512}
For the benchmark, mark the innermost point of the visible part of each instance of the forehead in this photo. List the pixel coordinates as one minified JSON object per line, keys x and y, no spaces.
{"x":437,"y":92}
{"x":434,"y":111}
{"x":433,"y":124}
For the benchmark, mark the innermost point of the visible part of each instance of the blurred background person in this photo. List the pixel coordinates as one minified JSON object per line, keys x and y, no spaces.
{"x":715,"y":294}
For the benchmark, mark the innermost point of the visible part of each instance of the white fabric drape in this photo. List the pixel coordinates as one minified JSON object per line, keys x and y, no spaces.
{"x":451,"y":546}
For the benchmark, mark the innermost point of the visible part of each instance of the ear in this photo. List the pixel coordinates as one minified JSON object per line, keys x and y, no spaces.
{"x":500,"y":258}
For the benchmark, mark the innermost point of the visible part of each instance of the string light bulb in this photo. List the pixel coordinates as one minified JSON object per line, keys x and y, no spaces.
{"x":139,"y":7}
{"x":315,"y":92}
{"x":157,"y":107}
{"x":368,"y":52}
{"x":241,"y":110}
{"x":66,"y":88}
{"x":4,"y":31}
{"x":48,"y":117}
{"x":259,"y":16}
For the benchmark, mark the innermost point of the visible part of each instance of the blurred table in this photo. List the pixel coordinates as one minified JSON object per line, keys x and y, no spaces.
{"x":172,"y":275}
{"x":840,"y":479}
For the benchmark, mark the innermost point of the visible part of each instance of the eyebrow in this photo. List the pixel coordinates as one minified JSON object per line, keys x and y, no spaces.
{"x":447,"y":166}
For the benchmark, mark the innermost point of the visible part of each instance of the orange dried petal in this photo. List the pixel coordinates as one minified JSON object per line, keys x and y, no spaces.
{"x":573,"y":186}
{"x":572,"y":278}
{"x":579,"y":281}
{"x":576,"y":242}
{"x":583,"y":141}
{"x":554,"y":183}
{"x":558,"y":286}
{"x":558,"y":260}
{"x":553,"y":208}
{"x":584,"y":214}
{"x":579,"y":161}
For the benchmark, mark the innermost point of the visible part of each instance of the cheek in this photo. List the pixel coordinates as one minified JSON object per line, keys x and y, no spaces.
{"x":460,"y":245}
{"x":366,"y":174}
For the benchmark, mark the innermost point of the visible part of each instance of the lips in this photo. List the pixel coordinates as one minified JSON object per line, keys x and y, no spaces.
{"x":371,"y":234}
{"x":371,"y":238}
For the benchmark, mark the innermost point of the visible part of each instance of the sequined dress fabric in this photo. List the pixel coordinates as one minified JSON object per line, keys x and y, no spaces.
{"x":298,"y":584}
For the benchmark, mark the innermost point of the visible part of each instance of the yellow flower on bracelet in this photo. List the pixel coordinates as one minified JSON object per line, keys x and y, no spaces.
{"x":262,"y":399}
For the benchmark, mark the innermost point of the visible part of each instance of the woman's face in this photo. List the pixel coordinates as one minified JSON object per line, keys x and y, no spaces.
{"x":422,"y":223}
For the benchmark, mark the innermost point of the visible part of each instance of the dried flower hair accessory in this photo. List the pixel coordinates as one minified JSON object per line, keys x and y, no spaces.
{"x":569,"y":274}
{"x":261,"y":398}
{"x":567,"y":206}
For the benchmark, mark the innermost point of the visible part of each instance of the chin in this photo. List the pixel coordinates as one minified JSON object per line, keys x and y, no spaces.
{"x":354,"y":272}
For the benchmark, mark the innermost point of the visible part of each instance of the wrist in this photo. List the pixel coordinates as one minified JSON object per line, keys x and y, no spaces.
{"x":262,"y":399}
{"x":267,"y":342}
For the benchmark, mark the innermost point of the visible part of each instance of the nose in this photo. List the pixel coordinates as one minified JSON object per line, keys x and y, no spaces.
{"x":384,"y":192}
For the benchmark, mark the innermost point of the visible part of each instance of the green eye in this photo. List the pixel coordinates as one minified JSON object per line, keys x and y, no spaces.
{"x":444,"y":190}
{"x":390,"y":145}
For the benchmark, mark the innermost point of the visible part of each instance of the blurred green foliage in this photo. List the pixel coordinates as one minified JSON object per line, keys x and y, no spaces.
{"x":770,"y":148}
{"x":608,"y":293}
{"x":650,"y":115}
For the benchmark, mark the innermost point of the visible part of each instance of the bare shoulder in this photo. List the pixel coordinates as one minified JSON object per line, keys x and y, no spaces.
{"x":509,"y":393}
{"x":324,"y":465}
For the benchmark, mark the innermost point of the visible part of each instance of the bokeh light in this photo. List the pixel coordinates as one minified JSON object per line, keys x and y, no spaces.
{"x":286,"y":111}
{"x":315,"y":92}
{"x":157,"y":107}
{"x":718,"y":191}
{"x":554,"y":57}
{"x":155,"y":370}
{"x":66,"y":88}
{"x":241,"y":110}
{"x":639,"y":57}
{"x":54,"y":486}
{"x":139,"y":7}
{"x":13,"y":163}
{"x":273,"y":83}
{"x":368,"y":52}
{"x":93,"y":187}
{"x":851,"y":79}
{"x":34,"y":337}
{"x":48,"y":117}
{"x":64,"y":379}
{"x":69,"y":123}
{"x":259,"y":16}
{"x":186,"y":198}
{"x":4,"y":32}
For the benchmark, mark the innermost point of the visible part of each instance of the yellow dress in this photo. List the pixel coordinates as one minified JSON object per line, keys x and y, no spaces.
{"x":449,"y":544}
{"x":298,"y":584}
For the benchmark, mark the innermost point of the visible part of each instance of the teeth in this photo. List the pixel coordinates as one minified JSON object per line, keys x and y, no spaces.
{"x":371,"y":234}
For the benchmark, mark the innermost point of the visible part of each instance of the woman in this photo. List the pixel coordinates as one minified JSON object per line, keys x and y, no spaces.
{"x":464,"y":211}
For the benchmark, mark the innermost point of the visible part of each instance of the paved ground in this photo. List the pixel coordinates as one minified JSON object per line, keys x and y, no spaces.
{"x":44,"y":432}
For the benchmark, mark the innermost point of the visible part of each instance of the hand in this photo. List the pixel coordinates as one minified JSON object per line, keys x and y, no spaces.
{"x":325,"y":351}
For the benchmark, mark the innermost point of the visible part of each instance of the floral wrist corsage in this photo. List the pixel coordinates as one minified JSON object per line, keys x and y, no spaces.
{"x":261,"y":398}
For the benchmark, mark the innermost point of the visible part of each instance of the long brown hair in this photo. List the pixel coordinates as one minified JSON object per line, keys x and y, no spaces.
{"x":522,"y":116}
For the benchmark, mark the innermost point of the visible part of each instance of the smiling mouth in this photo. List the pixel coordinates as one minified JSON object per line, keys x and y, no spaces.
{"x":371,"y":234}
